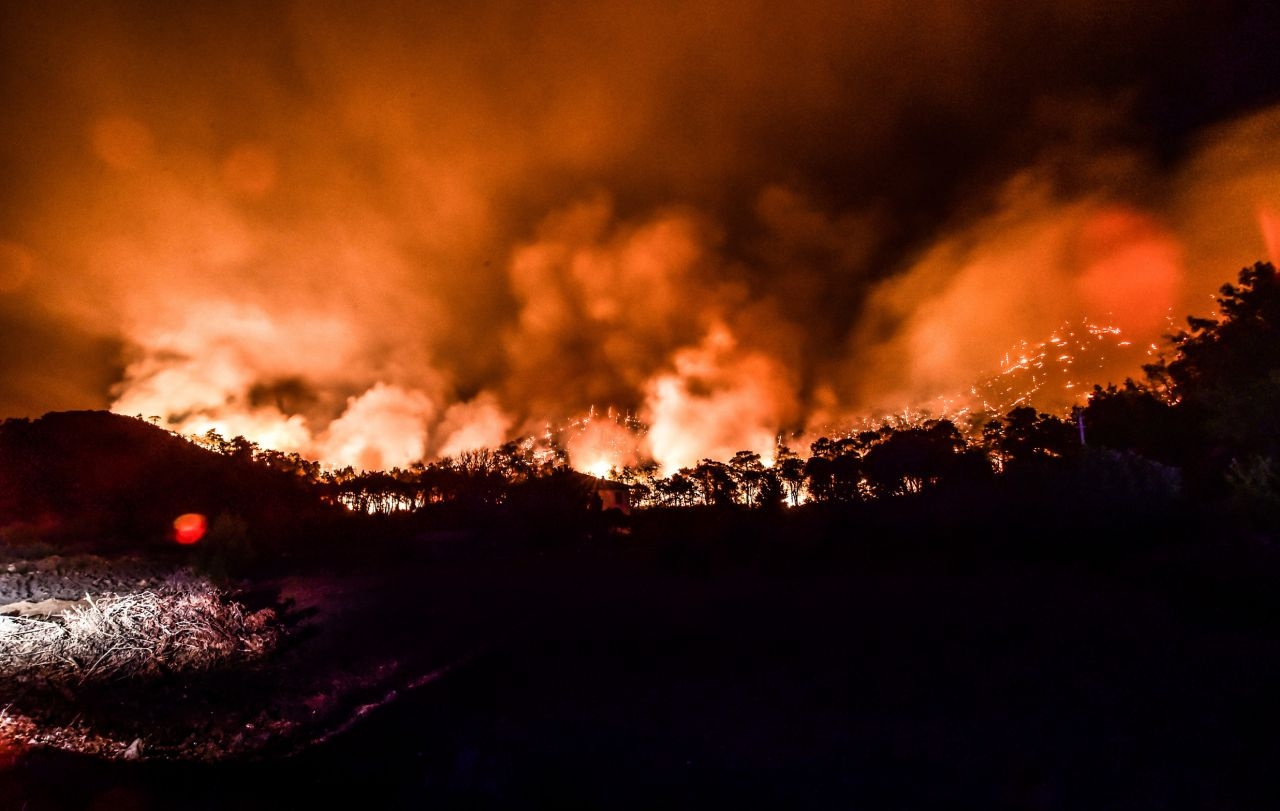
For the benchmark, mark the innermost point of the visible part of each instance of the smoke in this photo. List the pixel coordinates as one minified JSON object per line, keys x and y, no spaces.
{"x":479,"y":423}
{"x":1035,"y":263}
{"x":384,"y":427}
{"x":1226,"y":197}
{"x":1042,"y":257}
{"x":372,"y":236}
{"x":601,"y":304}
{"x":718,"y":400}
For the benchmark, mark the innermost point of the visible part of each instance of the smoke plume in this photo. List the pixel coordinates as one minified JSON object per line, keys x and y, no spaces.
{"x":377,"y":235}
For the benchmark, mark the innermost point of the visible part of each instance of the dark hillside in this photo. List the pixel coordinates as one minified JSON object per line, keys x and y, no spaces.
{"x":100,"y":479}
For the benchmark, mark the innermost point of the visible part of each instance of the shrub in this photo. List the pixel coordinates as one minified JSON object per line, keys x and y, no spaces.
{"x":1254,"y":484}
{"x":227,"y":551}
{"x":135,"y":636}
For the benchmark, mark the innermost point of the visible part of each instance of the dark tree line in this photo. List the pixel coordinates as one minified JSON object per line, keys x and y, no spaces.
{"x":887,"y":462}
{"x":1212,"y":408}
{"x":1208,"y":415}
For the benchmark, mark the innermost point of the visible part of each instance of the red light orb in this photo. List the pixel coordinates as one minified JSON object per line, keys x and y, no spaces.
{"x":189,"y":528}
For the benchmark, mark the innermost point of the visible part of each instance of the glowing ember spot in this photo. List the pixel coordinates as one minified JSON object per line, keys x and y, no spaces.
{"x":189,"y":528}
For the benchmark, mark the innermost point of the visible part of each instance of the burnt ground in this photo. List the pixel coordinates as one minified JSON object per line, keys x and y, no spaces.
{"x":70,"y":577}
{"x":612,"y":677}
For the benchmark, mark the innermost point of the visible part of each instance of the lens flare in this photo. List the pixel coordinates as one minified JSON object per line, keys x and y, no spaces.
{"x":189,"y":528}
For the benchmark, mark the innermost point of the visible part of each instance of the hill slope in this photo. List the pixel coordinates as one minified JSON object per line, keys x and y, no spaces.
{"x":104,"y":479}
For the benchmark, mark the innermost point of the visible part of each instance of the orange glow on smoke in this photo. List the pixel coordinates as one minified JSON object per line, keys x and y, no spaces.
{"x":719,"y":399}
{"x":1132,"y":270}
{"x":250,"y":170}
{"x":121,"y":142}
{"x":379,"y":236}
{"x":189,"y":528}
{"x":1269,"y":223}
{"x":16,"y":266}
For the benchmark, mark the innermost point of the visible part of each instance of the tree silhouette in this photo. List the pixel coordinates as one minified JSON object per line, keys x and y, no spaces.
{"x":1225,"y":373}
{"x":677,"y":490}
{"x":1136,"y":418}
{"x":910,"y":459}
{"x":790,"y":472}
{"x":834,"y":469}
{"x":1026,"y":438}
{"x":716,"y":483}
{"x":748,"y":475}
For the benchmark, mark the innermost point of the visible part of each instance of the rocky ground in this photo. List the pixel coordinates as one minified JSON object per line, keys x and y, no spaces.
{"x":71,"y":578}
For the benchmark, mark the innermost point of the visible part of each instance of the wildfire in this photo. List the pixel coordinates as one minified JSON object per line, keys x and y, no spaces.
{"x":409,"y":281}
{"x":597,"y":444}
{"x":1060,"y":370}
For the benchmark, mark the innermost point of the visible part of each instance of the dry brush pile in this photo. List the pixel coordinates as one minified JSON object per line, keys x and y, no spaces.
{"x":134,"y":636}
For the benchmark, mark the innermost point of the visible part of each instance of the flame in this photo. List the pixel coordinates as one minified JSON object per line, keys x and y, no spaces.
{"x":600,"y":444}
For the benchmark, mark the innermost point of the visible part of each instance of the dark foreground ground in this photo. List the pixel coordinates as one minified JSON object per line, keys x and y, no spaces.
{"x":611,"y":677}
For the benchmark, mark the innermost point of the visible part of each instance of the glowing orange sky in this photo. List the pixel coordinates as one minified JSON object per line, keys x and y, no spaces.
{"x":374,"y":234}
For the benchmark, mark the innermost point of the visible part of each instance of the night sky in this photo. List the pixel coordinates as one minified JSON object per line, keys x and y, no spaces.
{"x":371,"y":234}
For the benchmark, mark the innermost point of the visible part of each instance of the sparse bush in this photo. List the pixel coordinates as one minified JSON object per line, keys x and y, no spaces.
{"x":1255,"y":490}
{"x":227,"y":551}
{"x":1125,"y":477}
{"x":135,"y":636}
